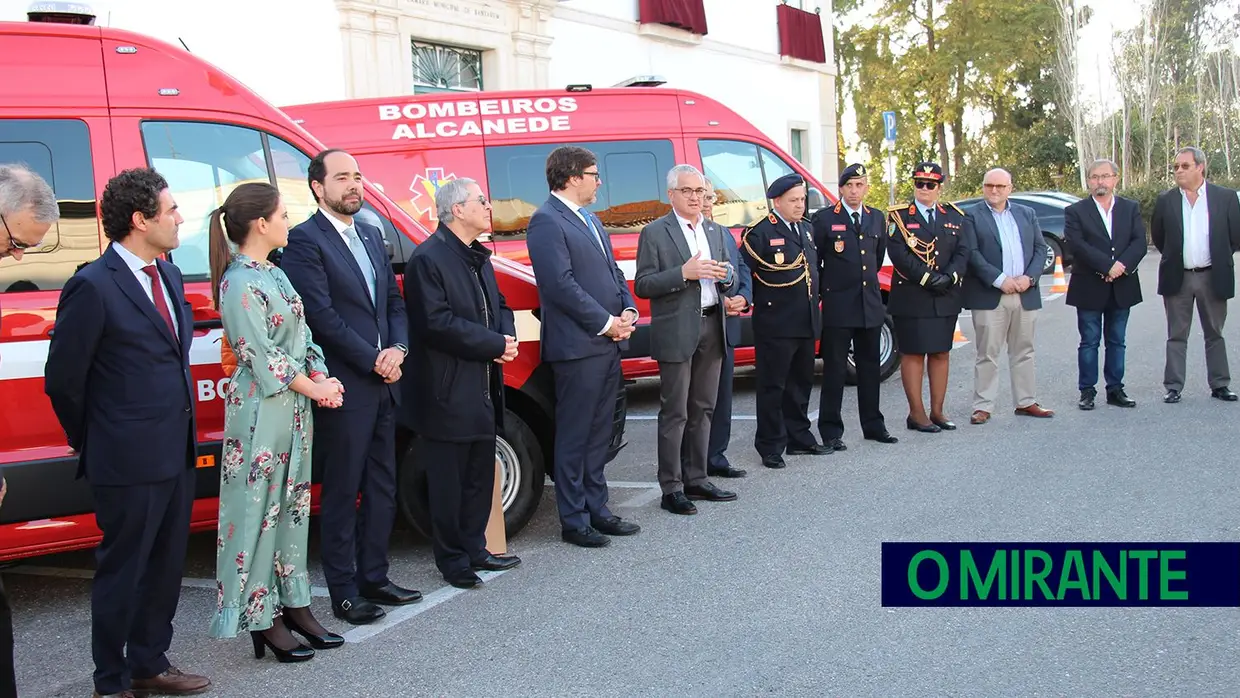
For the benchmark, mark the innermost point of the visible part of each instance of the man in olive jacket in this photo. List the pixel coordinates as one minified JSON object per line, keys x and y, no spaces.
{"x":462,"y":333}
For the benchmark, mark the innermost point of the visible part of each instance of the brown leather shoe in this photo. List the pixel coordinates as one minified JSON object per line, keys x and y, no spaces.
{"x":1035,"y":410}
{"x":172,"y":682}
{"x":979,"y":417}
{"x":122,"y":694}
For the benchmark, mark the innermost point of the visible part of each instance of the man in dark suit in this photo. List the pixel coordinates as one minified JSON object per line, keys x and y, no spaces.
{"x":1196,"y":227}
{"x":851,"y":245}
{"x":587,"y":314}
{"x":1107,"y":238}
{"x":356,"y":313}
{"x":463,"y":334}
{"x":682,"y":268}
{"x":1001,"y":288}
{"x":118,"y":376}
{"x":786,"y":322}
{"x":717,"y":464}
{"x":27,"y":210}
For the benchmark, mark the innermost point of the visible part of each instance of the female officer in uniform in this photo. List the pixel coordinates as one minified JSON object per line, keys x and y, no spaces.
{"x":929,"y":245}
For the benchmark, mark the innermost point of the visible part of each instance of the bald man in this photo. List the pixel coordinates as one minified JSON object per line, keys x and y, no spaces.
{"x":1001,"y":288}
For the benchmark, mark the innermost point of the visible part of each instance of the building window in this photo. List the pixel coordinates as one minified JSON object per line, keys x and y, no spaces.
{"x":797,"y":144}
{"x":439,"y":68}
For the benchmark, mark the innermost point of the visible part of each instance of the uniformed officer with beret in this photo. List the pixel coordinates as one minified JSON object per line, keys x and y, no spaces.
{"x":929,"y":244}
{"x":851,"y":239}
{"x":779,"y":252}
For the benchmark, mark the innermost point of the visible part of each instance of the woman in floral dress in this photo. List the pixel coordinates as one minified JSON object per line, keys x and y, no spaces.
{"x":261,"y":574}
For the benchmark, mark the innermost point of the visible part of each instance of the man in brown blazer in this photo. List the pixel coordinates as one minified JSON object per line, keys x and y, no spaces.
{"x":1196,"y":227}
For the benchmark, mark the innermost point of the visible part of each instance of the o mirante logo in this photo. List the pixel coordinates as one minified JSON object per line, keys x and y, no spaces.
{"x":1061,"y":574}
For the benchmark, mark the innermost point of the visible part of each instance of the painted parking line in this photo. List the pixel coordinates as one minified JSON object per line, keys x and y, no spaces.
{"x":617,"y":484}
{"x":735,"y":418}
{"x":406,"y":613}
{"x":70,"y":573}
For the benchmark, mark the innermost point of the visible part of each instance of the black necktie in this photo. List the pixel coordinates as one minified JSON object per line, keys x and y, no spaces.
{"x":856,"y":220}
{"x":930,"y":216}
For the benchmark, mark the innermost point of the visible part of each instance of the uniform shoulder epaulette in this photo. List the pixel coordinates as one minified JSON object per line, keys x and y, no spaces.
{"x":954,"y":206}
{"x":895,"y":207}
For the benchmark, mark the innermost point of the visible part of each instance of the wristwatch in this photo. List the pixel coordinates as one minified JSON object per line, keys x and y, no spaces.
{"x":403,"y":349}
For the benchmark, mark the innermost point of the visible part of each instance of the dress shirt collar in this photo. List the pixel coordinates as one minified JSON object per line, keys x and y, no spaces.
{"x":572,"y":205}
{"x":338,"y":224}
{"x":925,"y":209}
{"x":133,"y":261}
{"x":1201,"y":191}
{"x":685,"y":222}
{"x":850,"y":210}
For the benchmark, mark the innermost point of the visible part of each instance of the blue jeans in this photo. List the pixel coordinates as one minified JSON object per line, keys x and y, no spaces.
{"x":1091,"y":324}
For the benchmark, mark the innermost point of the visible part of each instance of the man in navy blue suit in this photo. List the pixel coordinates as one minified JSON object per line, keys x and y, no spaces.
{"x":118,"y":375}
{"x":355,"y":311}
{"x":587,"y":316}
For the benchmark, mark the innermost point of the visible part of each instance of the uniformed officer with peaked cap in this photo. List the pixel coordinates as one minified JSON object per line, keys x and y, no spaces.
{"x":851,"y":239}
{"x":779,"y":252}
{"x":929,"y":243}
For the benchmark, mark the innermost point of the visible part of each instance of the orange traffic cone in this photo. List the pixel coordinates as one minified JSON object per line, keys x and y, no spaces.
{"x":959,"y":337}
{"x":1060,"y":283}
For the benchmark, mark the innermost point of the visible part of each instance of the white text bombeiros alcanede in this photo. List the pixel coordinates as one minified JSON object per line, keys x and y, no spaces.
{"x":456,"y":121}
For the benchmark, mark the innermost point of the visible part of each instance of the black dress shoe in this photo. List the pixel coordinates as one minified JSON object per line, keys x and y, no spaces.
{"x":1172,"y":396}
{"x":776,"y":461}
{"x":615,"y":526}
{"x":944,"y":424}
{"x":814,"y":450}
{"x":726,"y":471}
{"x":1223,"y":394}
{"x":496,"y":563}
{"x":585,"y":537}
{"x":678,"y":503}
{"x":883,"y":438}
{"x":1087,"y":399}
{"x":391,"y":595}
{"x":1119,"y":398}
{"x":925,"y":428}
{"x":464,"y":579}
{"x":300,"y":653}
{"x":709,"y":492}
{"x":357,"y":611}
{"x":326,"y":641}
{"x":836,"y":444}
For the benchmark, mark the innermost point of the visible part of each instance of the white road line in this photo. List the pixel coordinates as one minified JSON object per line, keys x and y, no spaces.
{"x":404,"y":613}
{"x":735,"y":418}
{"x":641,"y":500}
{"x":68,"y":573}
{"x":619,"y":484}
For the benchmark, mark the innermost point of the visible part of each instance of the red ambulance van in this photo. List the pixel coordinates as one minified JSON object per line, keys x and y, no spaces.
{"x":80,"y":103}
{"x":411,"y":145}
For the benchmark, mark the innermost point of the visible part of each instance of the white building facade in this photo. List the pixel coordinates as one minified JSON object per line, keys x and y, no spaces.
{"x":301,"y":51}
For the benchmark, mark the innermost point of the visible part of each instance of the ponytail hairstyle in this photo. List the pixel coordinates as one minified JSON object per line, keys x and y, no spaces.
{"x":231,"y":223}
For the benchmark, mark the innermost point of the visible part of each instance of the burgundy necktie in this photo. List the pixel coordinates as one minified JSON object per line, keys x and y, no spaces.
{"x":157,"y":293}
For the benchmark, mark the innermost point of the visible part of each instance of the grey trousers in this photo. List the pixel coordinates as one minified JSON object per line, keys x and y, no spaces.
{"x":687,"y":394}
{"x":1213,"y":313}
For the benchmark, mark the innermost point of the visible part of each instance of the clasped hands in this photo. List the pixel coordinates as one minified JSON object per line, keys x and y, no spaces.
{"x":1117,"y":270}
{"x":734,"y":305}
{"x":697,"y":268}
{"x":387,"y":364}
{"x":510,"y":350}
{"x":939,"y":283}
{"x":328,"y":392}
{"x":1016,"y":284}
{"x":622,"y":327}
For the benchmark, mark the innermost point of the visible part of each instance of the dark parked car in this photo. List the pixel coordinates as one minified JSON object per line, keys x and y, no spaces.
{"x":1049,"y":206}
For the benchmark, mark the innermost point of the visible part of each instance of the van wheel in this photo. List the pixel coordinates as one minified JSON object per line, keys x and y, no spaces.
{"x":1054,"y":249}
{"x":522,"y":471}
{"x":888,"y":355}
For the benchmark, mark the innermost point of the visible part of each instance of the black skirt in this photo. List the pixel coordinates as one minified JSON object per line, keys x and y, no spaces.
{"x":924,"y":335}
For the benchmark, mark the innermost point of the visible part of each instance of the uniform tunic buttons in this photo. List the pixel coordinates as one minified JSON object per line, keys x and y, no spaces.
{"x":863,"y":268}
{"x":862,"y":251}
{"x":865,"y":283}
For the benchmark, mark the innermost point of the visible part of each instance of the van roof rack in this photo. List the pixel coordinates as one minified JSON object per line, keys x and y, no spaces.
{"x":643,"y":81}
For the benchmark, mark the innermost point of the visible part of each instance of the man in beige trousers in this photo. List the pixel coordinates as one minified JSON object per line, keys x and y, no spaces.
{"x":1001,"y":290}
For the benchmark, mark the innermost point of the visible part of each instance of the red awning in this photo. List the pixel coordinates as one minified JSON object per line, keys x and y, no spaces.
{"x":689,"y":15}
{"x":800,"y":34}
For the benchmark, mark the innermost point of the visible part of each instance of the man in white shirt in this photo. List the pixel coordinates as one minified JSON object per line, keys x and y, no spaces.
{"x":683,"y":268}
{"x":1196,"y":227}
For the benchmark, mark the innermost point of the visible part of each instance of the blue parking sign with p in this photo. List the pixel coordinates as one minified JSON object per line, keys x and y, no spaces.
{"x":889,"y":125}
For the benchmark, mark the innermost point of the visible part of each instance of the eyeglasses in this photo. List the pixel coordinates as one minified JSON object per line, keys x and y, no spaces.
{"x":1100,"y":177}
{"x":595,"y":174}
{"x":922,"y":184}
{"x":687,"y":192}
{"x":994,"y":186}
{"x":1183,"y":166}
{"x":14,"y":243}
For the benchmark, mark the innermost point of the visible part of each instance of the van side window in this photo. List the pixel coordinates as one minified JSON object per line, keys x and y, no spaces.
{"x":633,"y":191}
{"x":773,"y":166}
{"x":59,"y":151}
{"x":735,"y":171}
{"x":203,"y":162}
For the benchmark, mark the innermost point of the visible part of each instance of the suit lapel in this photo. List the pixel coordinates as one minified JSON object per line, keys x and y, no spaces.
{"x":578,"y":224}
{"x":1217,"y":212}
{"x":185,"y":323}
{"x":677,"y":235}
{"x":336,"y":242}
{"x":128,"y":283}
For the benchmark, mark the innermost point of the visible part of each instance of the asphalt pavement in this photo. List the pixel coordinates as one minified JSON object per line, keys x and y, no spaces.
{"x":778,"y":593}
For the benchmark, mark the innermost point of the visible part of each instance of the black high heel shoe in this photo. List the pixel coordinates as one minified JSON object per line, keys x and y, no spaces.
{"x":300,"y":653}
{"x":319,"y":642}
